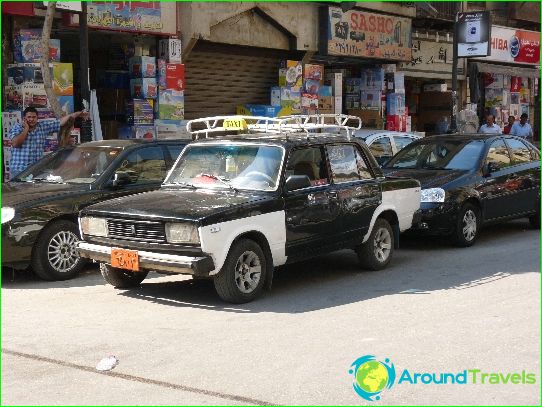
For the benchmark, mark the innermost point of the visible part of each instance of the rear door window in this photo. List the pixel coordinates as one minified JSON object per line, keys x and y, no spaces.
{"x":520,"y":151}
{"x":343,"y":163}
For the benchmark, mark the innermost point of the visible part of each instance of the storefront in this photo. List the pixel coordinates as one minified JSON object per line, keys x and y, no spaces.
{"x":507,"y":83}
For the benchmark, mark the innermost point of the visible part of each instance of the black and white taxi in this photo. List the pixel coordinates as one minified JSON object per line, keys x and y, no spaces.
{"x":234,"y":207}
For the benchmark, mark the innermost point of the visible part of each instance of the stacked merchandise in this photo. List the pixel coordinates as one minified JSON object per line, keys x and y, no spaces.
{"x":506,"y":96}
{"x":396,"y":110}
{"x":334,"y":79}
{"x":353,"y":93}
{"x":9,"y":119}
{"x":313,"y":77}
{"x":171,"y":85}
{"x":370,"y":83}
{"x":144,"y":91}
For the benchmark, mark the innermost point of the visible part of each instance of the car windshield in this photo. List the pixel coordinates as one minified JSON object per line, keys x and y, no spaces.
{"x":78,"y":165}
{"x":439,"y":154}
{"x":234,"y":166}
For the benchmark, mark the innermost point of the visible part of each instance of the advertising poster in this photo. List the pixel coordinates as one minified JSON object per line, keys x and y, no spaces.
{"x":514,"y":46}
{"x":474,"y":35}
{"x":125,"y":15}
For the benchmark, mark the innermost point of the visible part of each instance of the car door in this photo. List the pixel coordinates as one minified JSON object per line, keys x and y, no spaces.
{"x":311,"y":213}
{"x":145,"y":167}
{"x":356,"y":189}
{"x":524,"y":181}
{"x":494,"y":190}
{"x":381,"y":149}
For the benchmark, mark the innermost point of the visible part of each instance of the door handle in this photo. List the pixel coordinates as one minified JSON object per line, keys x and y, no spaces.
{"x":333,"y":194}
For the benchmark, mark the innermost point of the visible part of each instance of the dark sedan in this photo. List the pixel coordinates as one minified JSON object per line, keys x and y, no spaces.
{"x":471,"y":180}
{"x":41,"y":204}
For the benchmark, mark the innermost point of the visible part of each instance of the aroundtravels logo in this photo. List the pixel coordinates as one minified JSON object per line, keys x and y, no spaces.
{"x":371,"y":376}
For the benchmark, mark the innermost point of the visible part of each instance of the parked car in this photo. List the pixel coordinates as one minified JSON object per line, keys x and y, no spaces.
{"x":233,"y":208}
{"x":469,"y":181}
{"x":40,"y":205}
{"x":385,"y":144}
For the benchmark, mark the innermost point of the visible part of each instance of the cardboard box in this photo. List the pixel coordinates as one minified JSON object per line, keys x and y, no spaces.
{"x":161,"y":73}
{"x":171,"y":129}
{"x":66,"y":104}
{"x":175,"y":77}
{"x":170,"y":50}
{"x":142,"y":67}
{"x":290,"y":97}
{"x":435,"y":87}
{"x":143,"y":88}
{"x":140,"y":111}
{"x":13,"y":97}
{"x":309,"y":101}
{"x":352,"y":102}
{"x":408,"y":124}
{"x":10,"y":119}
{"x":45,"y":114}
{"x":326,"y":103}
{"x":395,"y":104}
{"x":275,"y":96}
{"x":31,"y":51}
{"x":63,"y":79}
{"x":314,"y":72}
{"x":370,"y":99}
{"x":34,"y":96}
{"x":171,"y":104}
{"x":291,"y":73}
{"x":325,"y":91}
{"x":352,"y":86}
{"x":396,"y":82}
{"x":15,"y":73}
{"x":338,"y":104}
{"x":369,"y":118}
{"x":144,"y":132}
{"x":372,"y":79}
{"x":258,"y":110}
{"x":396,"y":122}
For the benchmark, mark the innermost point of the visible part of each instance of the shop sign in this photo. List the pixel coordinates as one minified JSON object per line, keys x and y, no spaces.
{"x":473,"y":33}
{"x":74,"y":6}
{"x":431,"y":57}
{"x":362,"y":34}
{"x":514,"y":46}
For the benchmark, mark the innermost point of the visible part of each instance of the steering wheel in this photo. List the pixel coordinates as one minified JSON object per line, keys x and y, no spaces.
{"x":263,"y":174}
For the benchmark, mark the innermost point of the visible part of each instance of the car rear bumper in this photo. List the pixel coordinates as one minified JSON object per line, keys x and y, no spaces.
{"x":161,"y":262}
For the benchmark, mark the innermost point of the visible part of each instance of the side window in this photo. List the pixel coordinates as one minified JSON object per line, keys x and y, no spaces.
{"x":402,"y":142}
{"x":498,"y":153}
{"x":145,"y":165}
{"x":520,"y":152}
{"x":363,"y":168}
{"x":174,"y":152}
{"x":343,"y":163}
{"x":381,"y":149}
{"x":310,"y":162}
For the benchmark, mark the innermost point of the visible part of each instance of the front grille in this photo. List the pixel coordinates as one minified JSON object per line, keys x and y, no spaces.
{"x":141,"y":230}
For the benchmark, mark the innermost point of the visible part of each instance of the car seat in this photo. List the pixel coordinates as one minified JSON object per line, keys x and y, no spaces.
{"x":307,"y":168}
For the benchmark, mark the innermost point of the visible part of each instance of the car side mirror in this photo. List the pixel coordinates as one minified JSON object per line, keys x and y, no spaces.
{"x":121,"y":178}
{"x":489,"y":168}
{"x":294,"y":182}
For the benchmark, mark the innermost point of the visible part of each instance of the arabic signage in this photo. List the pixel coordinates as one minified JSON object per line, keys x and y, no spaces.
{"x":431,"y":59}
{"x":514,"y":46}
{"x":473,"y":33}
{"x":361,"y":34}
{"x":135,"y":16}
{"x":66,"y":5}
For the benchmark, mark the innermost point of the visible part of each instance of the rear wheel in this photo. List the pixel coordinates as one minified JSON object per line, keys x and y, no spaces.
{"x":377,"y":251}
{"x":468,"y":226}
{"x":534,"y":220}
{"x":242,"y":277}
{"x":54,"y":256}
{"x":120,"y":278}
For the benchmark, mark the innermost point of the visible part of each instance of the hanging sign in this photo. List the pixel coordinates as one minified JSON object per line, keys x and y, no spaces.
{"x":473,"y":33}
{"x":361,"y":34}
{"x":511,"y":45}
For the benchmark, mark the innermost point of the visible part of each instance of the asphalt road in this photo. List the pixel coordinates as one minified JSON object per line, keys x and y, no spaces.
{"x":436,"y":309}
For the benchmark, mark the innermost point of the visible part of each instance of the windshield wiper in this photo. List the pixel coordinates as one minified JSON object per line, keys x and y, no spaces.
{"x":48,"y":180}
{"x":182,"y":184}
{"x":225,"y":181}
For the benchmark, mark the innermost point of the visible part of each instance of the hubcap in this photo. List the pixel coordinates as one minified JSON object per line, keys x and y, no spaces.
{"x":61,"y":251}
{"x":248,"y":271}
{"x":382,"y":244}
{"x":469,"y":225}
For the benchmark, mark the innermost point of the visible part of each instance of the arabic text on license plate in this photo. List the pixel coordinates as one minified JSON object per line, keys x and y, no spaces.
{"x":125,"y":259}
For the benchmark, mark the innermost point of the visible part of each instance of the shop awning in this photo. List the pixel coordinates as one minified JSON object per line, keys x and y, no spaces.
{"x":512,"y":70}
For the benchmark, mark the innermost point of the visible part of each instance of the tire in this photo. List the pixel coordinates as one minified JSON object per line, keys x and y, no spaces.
{"x":467,"y":226}
{"x":54,"y":256}
{"x":534,"y":220}
{"x":243,"y":274}
{"x":120,"y":278}
{"x":377,"y":251}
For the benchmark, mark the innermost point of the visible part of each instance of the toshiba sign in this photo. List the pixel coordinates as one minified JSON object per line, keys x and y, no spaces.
{"x":511,"y":45}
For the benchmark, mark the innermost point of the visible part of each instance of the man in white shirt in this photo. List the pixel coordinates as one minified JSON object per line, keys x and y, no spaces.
{"x":490,"y":127}
{"x":522,"y":129}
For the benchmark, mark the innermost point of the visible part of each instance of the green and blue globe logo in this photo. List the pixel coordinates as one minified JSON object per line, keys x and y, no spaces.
{"x":372,"y":377}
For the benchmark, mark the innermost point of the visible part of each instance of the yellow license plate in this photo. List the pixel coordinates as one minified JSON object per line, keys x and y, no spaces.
{"x":125,"y":259}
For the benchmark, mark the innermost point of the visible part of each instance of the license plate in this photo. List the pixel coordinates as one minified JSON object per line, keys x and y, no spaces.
{"x":125,"y":259}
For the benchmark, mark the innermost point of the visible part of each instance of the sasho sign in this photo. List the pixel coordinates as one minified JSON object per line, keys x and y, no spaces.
{"x":361,"y":34}
{"x":473,"y":33}
{"x":511,"y":45}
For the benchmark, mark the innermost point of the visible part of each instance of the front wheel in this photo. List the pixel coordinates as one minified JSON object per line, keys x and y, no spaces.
{"x":120,"y":278}
{"x":242,"y":277}
{"x":377,"y":251}
{"x":468,"y":226}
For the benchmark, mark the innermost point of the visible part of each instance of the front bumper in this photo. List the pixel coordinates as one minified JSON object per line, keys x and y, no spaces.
{"x":435,"y":219}
{"x":16,"y":248}
{"x":161,"y":262}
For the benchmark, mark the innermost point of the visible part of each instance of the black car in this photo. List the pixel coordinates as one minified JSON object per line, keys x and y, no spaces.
{"x":40,"y":205}
{"x":235,"y":207}
{"x":471,"y":180}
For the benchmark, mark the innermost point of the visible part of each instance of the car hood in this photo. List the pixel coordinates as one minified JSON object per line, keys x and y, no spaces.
{"x":428,"y":178}
{"x":176,"y":203}
{"x":21,"y":193}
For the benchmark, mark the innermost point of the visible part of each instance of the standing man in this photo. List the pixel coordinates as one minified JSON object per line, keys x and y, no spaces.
{"x":508,"y":127}
{"x":522,"y":129}
{"x":490,"y":127}
{"x":28,"y":138}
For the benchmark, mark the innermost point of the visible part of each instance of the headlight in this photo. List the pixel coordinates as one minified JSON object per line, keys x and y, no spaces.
{"x":94,"y":226}
{"x":182,"y":233}
{"x":7,"y":214}
{"x":433,"y":195}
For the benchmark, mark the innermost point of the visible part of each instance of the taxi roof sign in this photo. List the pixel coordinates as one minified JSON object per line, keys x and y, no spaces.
{"x":235,"y":123}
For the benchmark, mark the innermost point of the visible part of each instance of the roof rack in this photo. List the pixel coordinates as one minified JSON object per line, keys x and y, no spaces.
{"x":287,"y":125}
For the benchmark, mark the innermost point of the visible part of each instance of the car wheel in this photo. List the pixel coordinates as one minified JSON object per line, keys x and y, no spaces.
{"x":468,"y":226}
{"x":120,"y":278}
{"x":242,"y":277}
{"x":54,"y":256}
{"x":534,"y":220}
{"x":377,"y":251}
